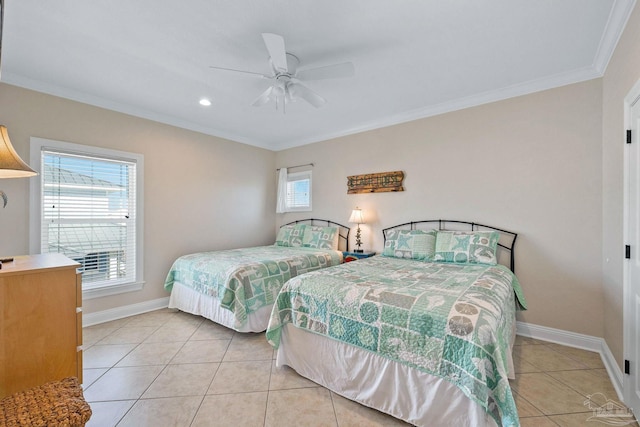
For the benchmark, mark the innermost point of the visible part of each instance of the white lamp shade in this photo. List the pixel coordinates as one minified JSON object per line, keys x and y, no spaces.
{"x":356,"y":216}
{"x":11,"y":165}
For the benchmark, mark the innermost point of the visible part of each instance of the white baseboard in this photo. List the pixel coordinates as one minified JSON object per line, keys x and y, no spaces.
{"x":585,"y":342}
{"x":570,"y":339}
{"x":614,"y":371}
{"x":90,"y":319}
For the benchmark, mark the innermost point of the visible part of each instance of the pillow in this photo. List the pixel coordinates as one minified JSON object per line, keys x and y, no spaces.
{"x":290,"y":235}
{"x":467,"y":246}
{"x":321,"y":237}
{"x":414,"y":244}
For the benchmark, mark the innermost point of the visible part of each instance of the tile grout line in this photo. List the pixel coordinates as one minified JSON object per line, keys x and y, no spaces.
{"x":119,"y":360}
{"x":266,"y":406}
{"x":333,"y":405}
{"x":138,"y":399}
{"x":272,"y":373}
{"x":548,"y":374}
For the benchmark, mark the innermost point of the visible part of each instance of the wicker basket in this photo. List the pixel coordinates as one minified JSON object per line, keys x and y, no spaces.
{"x":58,"y":403}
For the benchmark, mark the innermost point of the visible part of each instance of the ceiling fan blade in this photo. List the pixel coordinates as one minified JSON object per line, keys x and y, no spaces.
{"x":300,"y":91}
{"x":277,"y":51}
{"x":263,"y":98}
{"x":241,"y":71}
{"x":336,"y":71}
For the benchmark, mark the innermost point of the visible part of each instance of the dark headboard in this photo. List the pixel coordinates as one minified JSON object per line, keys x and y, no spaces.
{"x":343,"y":230}
{"x":505,"y":244}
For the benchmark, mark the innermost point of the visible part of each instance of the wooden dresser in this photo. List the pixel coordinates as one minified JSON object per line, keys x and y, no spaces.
{"x":40,"y":321}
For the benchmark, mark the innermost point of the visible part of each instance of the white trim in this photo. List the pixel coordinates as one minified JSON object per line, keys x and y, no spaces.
{"x":618,"y":16}
{"x":538,"y":85}
{"x":90,"y":319}
{"x":533,"y":86}
{"x":620,"y":13}
{"x":628,"y":310}
{"x":104,"y":291}
{"x":98,"y":101}
{"x":35,"y":193}
{"x":559,"y":336}
{"x":300,"y":176}
{"x":615,"y":373}
{"x":584,"y":342}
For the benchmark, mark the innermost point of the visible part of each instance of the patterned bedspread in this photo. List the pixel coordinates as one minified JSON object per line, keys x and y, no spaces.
{"x":450,"y":320}
{"x":247,"y":279}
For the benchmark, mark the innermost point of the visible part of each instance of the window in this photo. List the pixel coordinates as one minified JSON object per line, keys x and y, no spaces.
{"x":299,"y":191}
{"x":87,"y":204}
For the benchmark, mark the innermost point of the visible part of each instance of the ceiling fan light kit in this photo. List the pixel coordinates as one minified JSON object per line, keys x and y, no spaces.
{"x":286,"y":83}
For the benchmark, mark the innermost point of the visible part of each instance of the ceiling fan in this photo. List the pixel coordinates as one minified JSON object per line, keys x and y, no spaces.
{"x":286,"y":79}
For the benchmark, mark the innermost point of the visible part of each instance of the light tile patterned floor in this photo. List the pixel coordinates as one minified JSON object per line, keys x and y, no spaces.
{"x":168,"y":368}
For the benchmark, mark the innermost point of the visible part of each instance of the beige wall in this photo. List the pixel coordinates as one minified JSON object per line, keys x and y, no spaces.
{"x":622,"y":73}
{"x":546,"y":165}
{"x":201,"y":192}
{"x":531,"y":164}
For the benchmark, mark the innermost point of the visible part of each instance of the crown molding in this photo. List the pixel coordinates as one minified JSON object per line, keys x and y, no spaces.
{"x":620,"y":13}
{"x":97,"y":101}
{"x":538,"y":85}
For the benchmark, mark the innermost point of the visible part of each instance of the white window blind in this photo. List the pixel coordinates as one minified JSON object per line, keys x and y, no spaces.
{"x":88,"y":213}
{"x":299,"y":191}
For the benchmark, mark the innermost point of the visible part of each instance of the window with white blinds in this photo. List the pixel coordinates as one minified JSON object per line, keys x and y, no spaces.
{"x":299,"y":191}
{"x":89,"y":212}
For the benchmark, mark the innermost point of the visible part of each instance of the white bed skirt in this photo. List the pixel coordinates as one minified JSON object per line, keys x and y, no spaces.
{"x":186,"y":299}
{"x":408,"y":394}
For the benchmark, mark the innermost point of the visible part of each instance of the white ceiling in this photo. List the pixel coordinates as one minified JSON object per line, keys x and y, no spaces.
{"x":412,"y":58}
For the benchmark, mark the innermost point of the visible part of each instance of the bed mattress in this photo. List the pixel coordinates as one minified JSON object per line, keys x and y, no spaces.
{"x":452,"y":321}
{"x":237,"y":287}
{"x":374,"y":381}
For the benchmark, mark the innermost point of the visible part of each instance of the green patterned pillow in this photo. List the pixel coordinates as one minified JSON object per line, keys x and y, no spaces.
{"x":414,"y":244}
{"x":321,"y":237}
{"x":290,"y":235}
{"x":467,"y":246}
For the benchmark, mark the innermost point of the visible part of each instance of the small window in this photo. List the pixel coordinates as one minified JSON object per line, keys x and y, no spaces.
{"x":88,"y":202}
{"x":299,"y":191}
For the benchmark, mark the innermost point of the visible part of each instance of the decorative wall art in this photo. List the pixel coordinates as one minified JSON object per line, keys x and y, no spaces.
{"x":375,"y":182}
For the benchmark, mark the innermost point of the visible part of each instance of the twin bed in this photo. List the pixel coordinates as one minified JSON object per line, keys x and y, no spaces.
{"x":423,"y":331}
{"x":236,"y":288}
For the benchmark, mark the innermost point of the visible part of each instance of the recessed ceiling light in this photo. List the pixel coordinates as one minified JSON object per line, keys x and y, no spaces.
{"x":205,"y":102}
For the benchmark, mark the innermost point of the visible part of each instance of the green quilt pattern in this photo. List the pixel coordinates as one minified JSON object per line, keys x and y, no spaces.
{"x":244,"y":280}
{"x":449,"y":320}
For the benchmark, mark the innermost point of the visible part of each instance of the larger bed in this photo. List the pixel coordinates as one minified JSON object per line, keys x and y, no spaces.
{"x":237,"y":287}
{"x":423,"y":332}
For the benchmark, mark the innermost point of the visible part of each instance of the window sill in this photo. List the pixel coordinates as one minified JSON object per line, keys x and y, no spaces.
{"x":104,"y":291}
{"x":291,"y":210}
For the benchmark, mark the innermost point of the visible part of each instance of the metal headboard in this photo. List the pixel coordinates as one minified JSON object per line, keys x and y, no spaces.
{"x":343,"y":230}
{"x":507,"y":238}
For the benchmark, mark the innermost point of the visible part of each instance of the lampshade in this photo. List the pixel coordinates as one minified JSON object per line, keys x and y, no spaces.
{"x":11,"y":165}
{"x":356,"y":216}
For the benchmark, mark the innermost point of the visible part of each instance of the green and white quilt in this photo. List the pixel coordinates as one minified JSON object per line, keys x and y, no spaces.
{"x":244,"y":280}
{"x":451,"y":320}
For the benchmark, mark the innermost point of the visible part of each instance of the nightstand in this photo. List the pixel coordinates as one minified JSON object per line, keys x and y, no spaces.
{"x":353,"y":256}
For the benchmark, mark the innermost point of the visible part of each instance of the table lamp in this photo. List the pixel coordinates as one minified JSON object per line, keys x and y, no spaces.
{"x":11,"y":166}
{"x":357,"y":218}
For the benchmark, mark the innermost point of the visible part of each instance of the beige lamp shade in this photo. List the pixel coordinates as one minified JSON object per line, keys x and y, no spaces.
{"x":356,"y":216}
{"x":11,"y":165}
